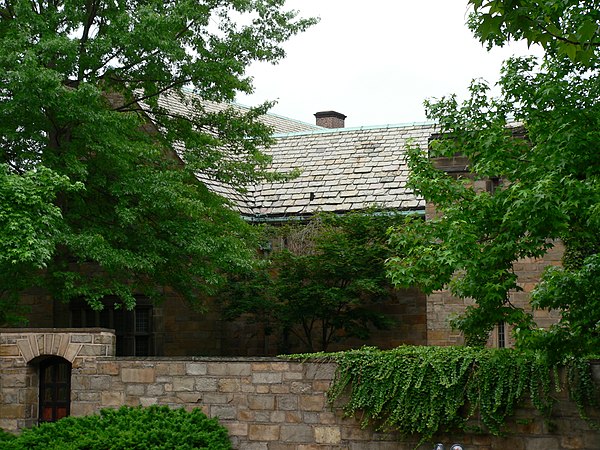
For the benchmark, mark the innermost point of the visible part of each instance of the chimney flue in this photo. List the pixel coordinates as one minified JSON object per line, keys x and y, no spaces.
{"x":330,"y":119}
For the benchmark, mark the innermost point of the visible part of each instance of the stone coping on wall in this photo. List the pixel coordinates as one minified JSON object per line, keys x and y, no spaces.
{"x":55,"y":330}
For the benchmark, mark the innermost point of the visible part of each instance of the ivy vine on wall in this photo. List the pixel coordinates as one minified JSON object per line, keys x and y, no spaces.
{"x":425,"y":390}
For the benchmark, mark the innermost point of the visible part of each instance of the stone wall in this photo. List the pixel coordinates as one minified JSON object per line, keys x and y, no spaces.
{"x":266,"y":403}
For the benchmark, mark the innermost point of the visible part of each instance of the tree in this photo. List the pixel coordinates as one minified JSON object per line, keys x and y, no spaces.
{"x":94,"y":198}
{"x":549,"y":190}
{"x":561,"y":27}
{"x":321,"y":286}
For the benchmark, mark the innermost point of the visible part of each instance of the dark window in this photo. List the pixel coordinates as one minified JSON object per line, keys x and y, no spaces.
{"x":501,"y":335}
{"x":132,"y":328}
{"x":55,"y":389}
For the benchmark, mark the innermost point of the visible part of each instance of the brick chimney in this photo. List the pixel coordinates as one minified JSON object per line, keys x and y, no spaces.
{"x":330,"y":119}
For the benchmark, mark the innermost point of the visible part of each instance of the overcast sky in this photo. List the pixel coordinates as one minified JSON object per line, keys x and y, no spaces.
{"x":376,"y":61}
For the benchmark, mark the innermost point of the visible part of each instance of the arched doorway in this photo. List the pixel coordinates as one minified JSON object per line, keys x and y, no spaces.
{"x":55,"y":389}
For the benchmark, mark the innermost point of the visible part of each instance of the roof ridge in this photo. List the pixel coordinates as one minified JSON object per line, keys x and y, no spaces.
{"x":360,"y":128}
{"x":280,"y":116}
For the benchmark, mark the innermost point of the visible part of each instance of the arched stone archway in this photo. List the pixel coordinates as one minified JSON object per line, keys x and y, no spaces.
{"x":48,"y":344}
{"x":23,"y":352}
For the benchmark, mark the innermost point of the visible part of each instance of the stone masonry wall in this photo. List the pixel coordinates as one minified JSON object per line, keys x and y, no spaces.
{"x":266,"y":403}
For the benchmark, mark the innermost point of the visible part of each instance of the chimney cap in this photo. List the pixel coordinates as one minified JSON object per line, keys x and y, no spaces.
{"x":335,"y":114}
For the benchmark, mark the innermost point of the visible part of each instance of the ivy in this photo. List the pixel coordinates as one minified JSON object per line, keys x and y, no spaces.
{"x":425,"y":390}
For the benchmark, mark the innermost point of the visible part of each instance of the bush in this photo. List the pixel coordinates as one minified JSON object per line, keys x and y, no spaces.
{"x":153,"y":428}
{"x":5,"y":436}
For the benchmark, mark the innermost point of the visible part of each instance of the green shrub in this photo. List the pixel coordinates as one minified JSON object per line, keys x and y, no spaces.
{"x":153,"y":428}
{"x":5,"y":436}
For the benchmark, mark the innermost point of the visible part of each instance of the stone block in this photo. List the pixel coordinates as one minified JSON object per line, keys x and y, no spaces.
{"x":135,"y":389}
{"x":230,"y":369}
{"x":298,"y":387}
{"x":293,"y":417}
{"x":293,"y":376}
{"x":261,"y":402}
{"x":170,"y":368}
{"x":138,"y":375}
{"x":311,"y":417}
{"x":280,"y":389}
{"x":196,"y":369}
{"x":262,"y":416}
{"x":108,"y":368}
{"x":327,"y":418}
{"x":10,"y":395}
{"x":111,"y":398}
{"x":215,"y":398}
{"x":86,"y":396}
{"x":321,"y":385}
{"x":237,"y":428}
{"x":223,"y":412}
{"x":100,"y":383}
{"x":262,"y":389}
{"x":312,"y":402}
{"x":64,"y":344}
{"x":261,"y":367}
{"x":12,"y":411}
{"x":287,"y":402}
{"x":72,"y":352}
{"x":81,"y":338}
{"x":14,"y":380}
{"x":83,"y":408}
{"x":206,"y":384}
{"x":259,"y":432}
{"x":148,"y":401}
{"x":189,"y":397}
{"x":183,"y":384}
{"x":327,"y":435}
{"x":267,"y":377}
{"x":155,"y":390}
{"x":103,"y":338}
{"x":25,"y":349}
{"x":245,"y":415}
{"x":296,"y":433}
{"x":229,"y":385}
{"x":280,"y":366}
{"x":9,"y":350}
{"x":277,"y":417}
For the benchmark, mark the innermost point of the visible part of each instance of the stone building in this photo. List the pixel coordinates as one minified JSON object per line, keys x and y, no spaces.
{"x":69,"y":351}
{"x":341,"y":169}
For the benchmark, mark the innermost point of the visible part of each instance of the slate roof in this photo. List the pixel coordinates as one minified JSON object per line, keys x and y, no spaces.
{"x":342,"y":169}
{"x":280,"y":124}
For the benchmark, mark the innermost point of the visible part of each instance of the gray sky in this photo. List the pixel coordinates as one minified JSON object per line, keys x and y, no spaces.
{"x":376,"y":61}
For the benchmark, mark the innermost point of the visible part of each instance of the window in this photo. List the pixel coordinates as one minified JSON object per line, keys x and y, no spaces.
{"x":132,"y":328}
{"x":55,"y":389}
{"x":501,"y":335}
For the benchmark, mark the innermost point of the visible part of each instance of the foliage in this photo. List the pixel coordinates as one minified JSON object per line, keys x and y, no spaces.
{"x":425,"y":390}
{"x":561,"y":27}
{"x":538,"y":139}
{"x":322,"y":284}
{"x":92,"y":187}
{"x":5,"y":435}
{"x":152,"y":428}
